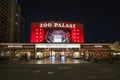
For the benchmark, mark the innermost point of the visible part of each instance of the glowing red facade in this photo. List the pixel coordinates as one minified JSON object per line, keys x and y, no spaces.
{"x":59,"y":31}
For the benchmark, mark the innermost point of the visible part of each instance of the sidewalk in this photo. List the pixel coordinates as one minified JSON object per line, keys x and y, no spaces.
{"x":13,"y":62}
{"x":47,"y":61}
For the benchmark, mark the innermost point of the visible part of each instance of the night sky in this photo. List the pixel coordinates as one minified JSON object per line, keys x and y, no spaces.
{"x":101,"y":19}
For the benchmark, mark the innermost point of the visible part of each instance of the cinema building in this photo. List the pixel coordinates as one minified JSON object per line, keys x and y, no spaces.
{"x":56,"y":40}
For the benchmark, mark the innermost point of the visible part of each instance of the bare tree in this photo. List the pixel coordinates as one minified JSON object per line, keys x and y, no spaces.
{"x":116,"y":46}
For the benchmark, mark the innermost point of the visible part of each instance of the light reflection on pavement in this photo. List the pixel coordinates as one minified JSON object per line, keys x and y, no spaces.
{"x":49,"y":61}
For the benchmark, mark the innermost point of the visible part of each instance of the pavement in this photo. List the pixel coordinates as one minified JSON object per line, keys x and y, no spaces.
{"x":46,"y":69}
{"x":49,"y":61}
{"x":45,"y":61}
{"x":82,"y":71}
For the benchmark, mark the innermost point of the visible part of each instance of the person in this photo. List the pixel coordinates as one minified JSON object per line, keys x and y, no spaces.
{"x":112,"y":59}
{"x":26,"y":56}
{"x":2,"y":54}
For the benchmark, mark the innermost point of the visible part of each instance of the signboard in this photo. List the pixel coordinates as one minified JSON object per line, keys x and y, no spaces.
{"x":28,"y":46}
{"x":57,"y":45}
{"x":95,"y":46}
{"x":57,"y":32}
{"x":14,"y":46}
{"x":19,"y":46}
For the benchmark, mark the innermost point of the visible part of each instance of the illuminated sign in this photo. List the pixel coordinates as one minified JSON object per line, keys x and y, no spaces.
{"x":28,"y":46}
{"x":92,"y":46}
{"x":57,"y":32}
{"x":87,"y":46}
{"x":57,"y":25}
{"x":57,"y":36}
{"x":14,"y":46}
{"x":57,"y":45}
{"x":20,"y":46}
{"x":98,"y":46}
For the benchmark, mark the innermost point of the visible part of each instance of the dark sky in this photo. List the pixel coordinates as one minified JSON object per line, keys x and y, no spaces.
{"x":101,"y":19}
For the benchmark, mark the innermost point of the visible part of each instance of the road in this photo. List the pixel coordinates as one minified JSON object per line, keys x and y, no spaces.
{"x":60,"y":71}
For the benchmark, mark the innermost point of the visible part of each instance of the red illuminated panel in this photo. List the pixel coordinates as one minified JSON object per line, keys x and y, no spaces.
{"x":38,"y":31}
{"x":77,"y":34}
{"x":37,"y":34}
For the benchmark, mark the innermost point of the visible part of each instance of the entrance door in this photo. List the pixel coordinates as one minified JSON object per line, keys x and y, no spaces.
{"x":57,"y":54}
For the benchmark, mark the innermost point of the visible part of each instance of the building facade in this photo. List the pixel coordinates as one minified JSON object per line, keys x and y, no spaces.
{"x":11,"y":22}
{"x":56,"y":41}
{"x":4,"y":21}
{"x":36,"y":51}
{"x":17,"y":51}
{"x":58,"y":38}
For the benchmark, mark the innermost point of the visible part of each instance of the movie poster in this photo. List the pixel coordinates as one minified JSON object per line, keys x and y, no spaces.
{"x":57,"y":36}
